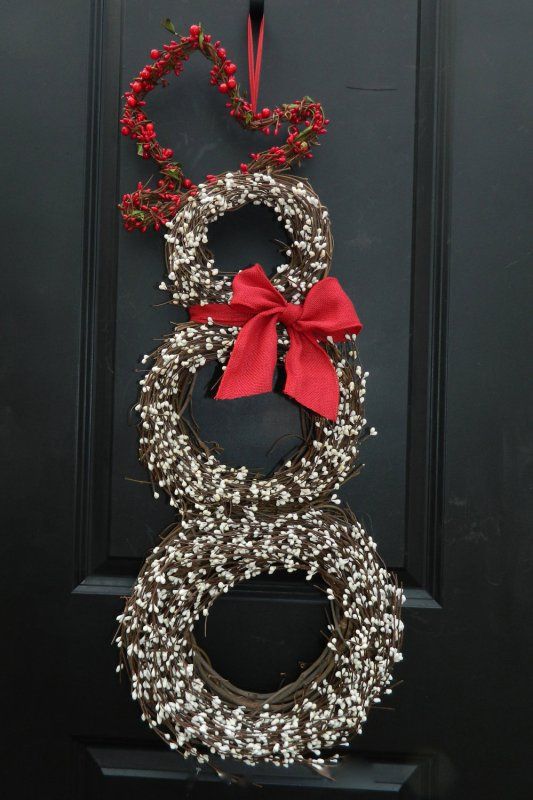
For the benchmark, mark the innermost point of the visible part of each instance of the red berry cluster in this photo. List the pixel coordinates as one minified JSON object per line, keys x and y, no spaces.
{"x":145,"y":207}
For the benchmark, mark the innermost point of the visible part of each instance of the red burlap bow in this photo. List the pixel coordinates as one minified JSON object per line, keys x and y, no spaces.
{"x":255,"y":307}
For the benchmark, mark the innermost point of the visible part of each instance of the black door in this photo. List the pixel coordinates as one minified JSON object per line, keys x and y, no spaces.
{"x":426,"y":171}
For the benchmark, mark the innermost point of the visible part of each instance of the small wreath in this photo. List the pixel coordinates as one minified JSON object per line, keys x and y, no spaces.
{"x":187,"y":468}
{"x":191,"y":266}
{"x":195,"y":710}
{"x":145,"y":207}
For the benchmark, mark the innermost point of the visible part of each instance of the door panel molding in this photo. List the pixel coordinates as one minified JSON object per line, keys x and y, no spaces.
{"x":384,"y":774}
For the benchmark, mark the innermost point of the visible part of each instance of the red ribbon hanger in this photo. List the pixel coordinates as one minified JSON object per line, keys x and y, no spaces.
{"x":254,"y":61}
{"x":255,"y":307}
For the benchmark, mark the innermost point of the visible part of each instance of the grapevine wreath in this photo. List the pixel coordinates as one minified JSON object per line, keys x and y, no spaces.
{"x":197,"y":711}
{"x":234,"y":523}
{"x":193,"y":275}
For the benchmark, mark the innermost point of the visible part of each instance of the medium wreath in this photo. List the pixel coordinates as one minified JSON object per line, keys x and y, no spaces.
{"x":193,"y":274}
{"x":147,"y":207}
{"x":188,"y":469}
{"x":198,"y":712}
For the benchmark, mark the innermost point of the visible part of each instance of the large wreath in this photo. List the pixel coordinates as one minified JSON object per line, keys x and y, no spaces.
{"x":197,"y":711}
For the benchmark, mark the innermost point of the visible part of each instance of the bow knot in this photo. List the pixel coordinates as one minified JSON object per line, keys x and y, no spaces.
{"x":290,"y":314}
{"x":255,"y":307}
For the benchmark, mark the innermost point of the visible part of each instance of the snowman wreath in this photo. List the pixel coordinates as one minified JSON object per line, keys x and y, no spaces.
{"x":235,"y":523}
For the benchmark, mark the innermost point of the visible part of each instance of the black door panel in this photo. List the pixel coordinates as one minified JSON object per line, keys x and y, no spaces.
{"x":426,"y":171}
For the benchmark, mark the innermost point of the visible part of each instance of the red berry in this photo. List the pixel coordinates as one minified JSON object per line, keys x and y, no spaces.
{"x":223,"y":88}
{"x":221,"y":52}
{"x":145,"y":73}
{"x":154,"y":54}
{"x":136,"y":86}
{"x":232,"y":83}
{"x":131,"y":101}
{"x":230,"y":68}
{"x":244,"y":167}
{"x":149,"y":127}
{"x":187,"y":183}
{"x":194,"y":30}
{"x":125,"y":131}
{"x":265,"y":113}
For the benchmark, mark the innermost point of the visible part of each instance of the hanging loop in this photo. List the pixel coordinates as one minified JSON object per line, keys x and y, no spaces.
{"x":256,"y":16}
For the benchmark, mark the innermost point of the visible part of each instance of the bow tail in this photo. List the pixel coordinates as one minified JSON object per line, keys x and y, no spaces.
{"x":250,"y":369}
{"x":311,"y":377}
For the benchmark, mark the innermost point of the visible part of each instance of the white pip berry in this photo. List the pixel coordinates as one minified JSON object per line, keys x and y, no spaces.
{"x":195,"y":710}
{"x":193,"y":275}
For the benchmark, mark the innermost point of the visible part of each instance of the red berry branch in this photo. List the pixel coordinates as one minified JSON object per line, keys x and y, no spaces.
{"x":146,"y":207}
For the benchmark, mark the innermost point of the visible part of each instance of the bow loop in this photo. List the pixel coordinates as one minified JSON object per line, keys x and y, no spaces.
{"x":328,"y":311}
{"x":255,"y":307}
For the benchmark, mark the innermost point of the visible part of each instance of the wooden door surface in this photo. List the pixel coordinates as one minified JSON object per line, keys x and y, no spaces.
{"x":426,"y":171}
